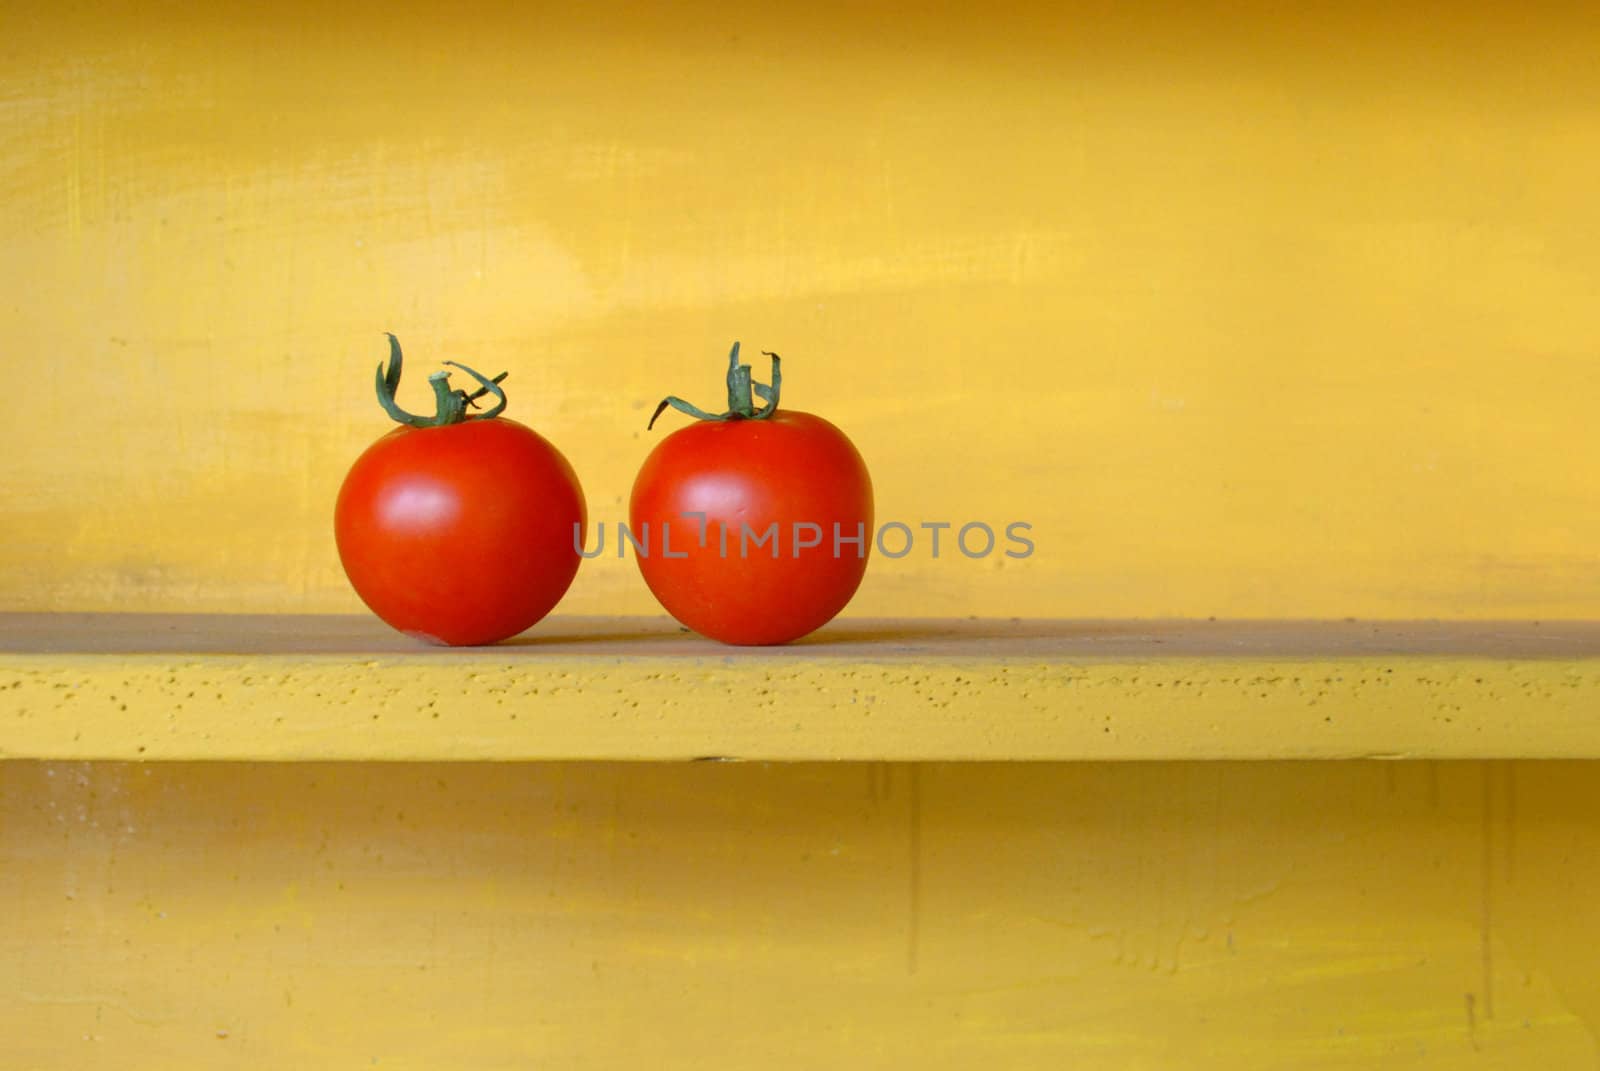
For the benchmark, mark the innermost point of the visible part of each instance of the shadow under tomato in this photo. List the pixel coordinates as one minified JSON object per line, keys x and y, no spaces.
{"x":590,"y":639}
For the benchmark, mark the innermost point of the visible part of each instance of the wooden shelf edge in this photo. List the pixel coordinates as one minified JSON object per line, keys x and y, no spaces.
{"x":1128,"y":691}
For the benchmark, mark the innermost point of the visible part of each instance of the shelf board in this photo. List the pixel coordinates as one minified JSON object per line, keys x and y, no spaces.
{"x":226,"y":687}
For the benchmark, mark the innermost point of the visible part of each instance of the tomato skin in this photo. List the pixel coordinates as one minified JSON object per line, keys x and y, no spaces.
{"x":789,"y":468}
{"x":461,"y":534}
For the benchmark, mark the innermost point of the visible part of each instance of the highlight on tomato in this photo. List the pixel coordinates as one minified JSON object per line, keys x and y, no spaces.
{"x":457,"y":528}
{"x":753,"y":525}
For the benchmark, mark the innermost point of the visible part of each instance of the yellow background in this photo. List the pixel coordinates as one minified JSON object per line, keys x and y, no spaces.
{"x":1116,"y":916}
{"x":1250,"y":310}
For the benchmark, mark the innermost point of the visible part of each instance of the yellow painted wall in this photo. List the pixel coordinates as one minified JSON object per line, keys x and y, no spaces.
{"x":1269,"y":309}
{"x":1322,"y":915}
{"x":1251,"y":310}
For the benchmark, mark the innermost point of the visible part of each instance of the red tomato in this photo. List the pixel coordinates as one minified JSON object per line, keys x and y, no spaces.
{"x":788,"y":476}
{"x":463,"y":532}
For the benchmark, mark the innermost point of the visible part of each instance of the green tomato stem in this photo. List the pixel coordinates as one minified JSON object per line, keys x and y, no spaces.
{"x":450,"y":405}
{"x":743,"y":390}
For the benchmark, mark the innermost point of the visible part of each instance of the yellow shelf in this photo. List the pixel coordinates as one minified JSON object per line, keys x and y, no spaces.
{"x":146,"y":687}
